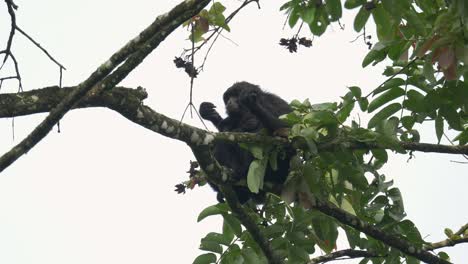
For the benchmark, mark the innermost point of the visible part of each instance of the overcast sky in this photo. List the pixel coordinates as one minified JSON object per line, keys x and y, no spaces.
{"x":102,"y":190}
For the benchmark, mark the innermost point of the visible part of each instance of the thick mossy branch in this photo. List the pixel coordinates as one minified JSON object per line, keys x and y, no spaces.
{"x":45,"y":99}
{"x":348,"y":219}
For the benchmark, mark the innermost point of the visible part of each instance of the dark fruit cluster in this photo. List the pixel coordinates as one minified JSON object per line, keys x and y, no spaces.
{"x":292,"y":43}
{"x":188,"y":66}
{"x":194,"y":180}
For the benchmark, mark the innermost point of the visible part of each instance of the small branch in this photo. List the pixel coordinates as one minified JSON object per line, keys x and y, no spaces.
{"x":446,"y":243}
{"x":18,"y":76}
{"x":393,"y":76}
{"x":462,"y":230}
{"x":348,"y":219}
{"x":411,"y":146}
{"x":11,"y":10}
{"x":450,"y":242}
{"x":228,"y":19}
{"x":338,"y":255}
{"x":40,"y":47}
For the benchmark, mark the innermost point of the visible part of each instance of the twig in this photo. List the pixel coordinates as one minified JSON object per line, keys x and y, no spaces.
{"x":393,"y":76}
{"x":18,"y":75}
{"x":338,"y":255}
{"x":450,"y":242}
{"x":228,"y":19}
{"x":40,"y":47}
{"x":11,"y":10}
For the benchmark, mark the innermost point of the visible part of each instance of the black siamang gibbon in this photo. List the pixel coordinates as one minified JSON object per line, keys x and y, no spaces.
{"x":248,"y":109}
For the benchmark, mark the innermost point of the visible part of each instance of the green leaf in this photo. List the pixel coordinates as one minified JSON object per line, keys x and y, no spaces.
{"x":324,"y":106}
{"x":356,"y":91}
{"x":462,"y":139}
{"x":383,"y":114}
{"x":430,"y":6}
{"x":390,"y":127}
{"x":334,"y":9}
{"x":327,"y":231}
{"x":384,"y":98}
{"x":397,"y":50}
{"x":233,"y":223}
{"x":256,"y":151}
{"x":415,"y":21}
{"x":255,"y":175}
{"x":250,"y":256}
{"x":389,"y":84}
{"x":320,"y":118}
{"x":411,"y":232}
{"x":205,"y":259}
{"x":320,"y":23}
{"x":212,"y":210}
{"x":448,"y":232}
{"x":439,"y":127}
{"x":232,"y":256}
{"x":361,"y":19}
{"x":383,"y":23}
{"x":286,"y":5}
{"x":415,"y":101}
{"x":350,"y":4}
{"x":396,"y":8}
{"x":217,"y":8}
{"x":428,"y":70}
{"x":408,"y":122}
{"x":377,"y":54}
{"x":363,"y":104}
{"x":395,"y":195}
{"x":218,"y":238}
{"x":273,"y":160}
{"x":308,"y":14}
{"x":293,"y":17}
{"x":345,"y":111}
{"x":297,"y":255}
{"x":310,"y":135}
{"x":227,"y":231}
{"x":380,"y":154}
{"x":452,"y":117}
{"x":443,"y":255}
{"x":211,"y":246}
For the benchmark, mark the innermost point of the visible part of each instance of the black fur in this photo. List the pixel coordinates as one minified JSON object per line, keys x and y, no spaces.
{"x":249,"y":109}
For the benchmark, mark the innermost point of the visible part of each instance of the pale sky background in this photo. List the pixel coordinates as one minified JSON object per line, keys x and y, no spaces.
{"x":102,"y":190}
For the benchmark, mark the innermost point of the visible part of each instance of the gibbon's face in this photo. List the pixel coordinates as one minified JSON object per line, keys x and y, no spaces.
{"x":233,"y":106}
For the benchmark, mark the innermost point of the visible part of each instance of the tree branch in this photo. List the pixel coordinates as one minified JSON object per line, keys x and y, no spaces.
{"x":457,"y":238}
{"x":42,"y":100}
{"x":414,"y":146}
{"x":338,"y":255}
{"x":147,"y":39}
{"x":391,"y":240}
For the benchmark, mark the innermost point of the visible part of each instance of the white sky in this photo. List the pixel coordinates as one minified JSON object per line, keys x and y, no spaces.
{"x":101,"y":191}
